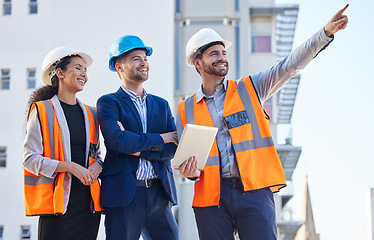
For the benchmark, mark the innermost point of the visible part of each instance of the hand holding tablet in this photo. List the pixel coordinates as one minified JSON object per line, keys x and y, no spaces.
{"x":195,"y":141}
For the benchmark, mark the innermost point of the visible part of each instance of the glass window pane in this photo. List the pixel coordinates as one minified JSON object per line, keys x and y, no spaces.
{"x":31,"y":73}
{"x":31,"y":84}
{"x":2,"y":156}
{"x":31,"y":80}
{"x":5,"y":79}
{"x":7,"y":10}
{"x":5,"y":85}
{"x":261,"y":44}
{"x":33,"y":9}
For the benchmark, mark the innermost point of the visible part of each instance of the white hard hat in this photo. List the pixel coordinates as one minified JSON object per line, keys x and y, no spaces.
{"x":199,"y":40}
{"x":55,"y":56}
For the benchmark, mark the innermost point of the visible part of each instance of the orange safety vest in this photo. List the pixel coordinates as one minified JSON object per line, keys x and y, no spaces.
{"x":43,"y":195}
{"x":257,"y":159}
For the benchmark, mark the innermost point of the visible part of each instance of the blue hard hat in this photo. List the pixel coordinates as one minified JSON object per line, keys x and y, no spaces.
{"x":125,"y":44}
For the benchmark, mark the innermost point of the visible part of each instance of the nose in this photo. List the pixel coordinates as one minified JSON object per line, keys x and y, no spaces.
{"x":222,"y":56}
{"x":143,"y":62}
{"x":83,"y":73}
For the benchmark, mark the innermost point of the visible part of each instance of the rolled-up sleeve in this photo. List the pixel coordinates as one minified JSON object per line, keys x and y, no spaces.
{"x":33,"y":159}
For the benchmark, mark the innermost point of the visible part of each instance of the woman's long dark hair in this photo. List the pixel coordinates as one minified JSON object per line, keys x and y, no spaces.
{"x":47,"y":92}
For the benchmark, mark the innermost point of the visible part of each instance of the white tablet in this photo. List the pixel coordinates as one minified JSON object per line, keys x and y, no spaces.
{"x":196,"y":141}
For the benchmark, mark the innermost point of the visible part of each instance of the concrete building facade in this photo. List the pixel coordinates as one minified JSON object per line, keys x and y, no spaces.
{"x":28,"y":34}
{"x":261,"y":32}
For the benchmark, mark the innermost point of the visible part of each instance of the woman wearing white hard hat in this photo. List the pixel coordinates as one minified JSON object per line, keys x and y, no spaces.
{"x":61,"y":151}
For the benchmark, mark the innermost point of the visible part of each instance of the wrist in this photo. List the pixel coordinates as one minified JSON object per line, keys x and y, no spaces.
{"x":328,"y":33}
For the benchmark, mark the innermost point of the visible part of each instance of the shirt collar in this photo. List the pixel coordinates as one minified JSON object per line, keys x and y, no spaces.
{"x":200,"y":94}
{"x":134,"y":95}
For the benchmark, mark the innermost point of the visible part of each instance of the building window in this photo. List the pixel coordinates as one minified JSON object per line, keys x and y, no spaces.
{"x":261,"y":44}
{"x":261,"y":32}
{"x":25,"y":232}
{"x":177,"y":6}
{"x":33,"y":7}
{"x":2,"y":156}
{"x":236,"y":5}
{"x":7,"y":7}
{"x":31,"y":80}
{"x":5,"y":79}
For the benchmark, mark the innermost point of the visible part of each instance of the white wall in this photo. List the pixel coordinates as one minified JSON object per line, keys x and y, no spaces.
{"x":84,"y":25}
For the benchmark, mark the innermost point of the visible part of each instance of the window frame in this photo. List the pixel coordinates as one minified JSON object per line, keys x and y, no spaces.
{"x":5,"y":79}
{"x":33,"y":6}
{"x":25,"y":232}
{"x":261,"y":29}
{"x":7,"y":7}
{"x":31,"y":79}
{"x":3,"y":156}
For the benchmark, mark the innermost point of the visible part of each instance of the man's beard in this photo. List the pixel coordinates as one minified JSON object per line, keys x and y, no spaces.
{"x":212,"y":71}
{"x":139,"y":77}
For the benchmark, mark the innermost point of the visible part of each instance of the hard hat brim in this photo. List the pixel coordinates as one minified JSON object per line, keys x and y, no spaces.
{"x":194,"y":53}
{"x":148,"y":51}
{"x":47,"y":78}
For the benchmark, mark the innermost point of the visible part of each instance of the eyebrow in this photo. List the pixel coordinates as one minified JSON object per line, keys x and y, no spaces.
{"x":80,"y":65}
{"x":138,"y":56}
{"x":216,"y":51}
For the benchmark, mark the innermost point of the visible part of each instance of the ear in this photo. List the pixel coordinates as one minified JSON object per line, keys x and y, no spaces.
{"x":59,"y":73}
{"x":118,"y":67}
{"x":197,"y":63}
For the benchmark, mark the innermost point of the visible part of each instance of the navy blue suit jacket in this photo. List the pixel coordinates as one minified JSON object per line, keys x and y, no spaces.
{"x":118,"y":178}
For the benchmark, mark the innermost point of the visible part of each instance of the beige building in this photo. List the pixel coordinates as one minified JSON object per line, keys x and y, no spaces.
{"x":30,"y":29}
{"x":261,"y":32}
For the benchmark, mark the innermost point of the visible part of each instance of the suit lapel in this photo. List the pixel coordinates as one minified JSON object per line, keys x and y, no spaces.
{"x":149,"y":112}
{"x":127,"y":100}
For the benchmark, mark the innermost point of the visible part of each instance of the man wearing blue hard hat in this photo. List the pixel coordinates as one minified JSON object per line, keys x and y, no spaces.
{"x":138,"y":188}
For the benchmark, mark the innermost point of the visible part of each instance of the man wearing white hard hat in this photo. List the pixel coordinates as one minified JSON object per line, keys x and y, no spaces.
{"x":140,"y":136}
{"x":61,"y":151}
{"x":234,"y":191}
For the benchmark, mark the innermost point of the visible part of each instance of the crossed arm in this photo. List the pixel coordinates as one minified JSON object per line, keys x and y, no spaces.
{"x":150,"y":146}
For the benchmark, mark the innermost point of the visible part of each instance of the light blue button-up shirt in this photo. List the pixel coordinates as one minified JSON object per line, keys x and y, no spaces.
{"x":223,"y":138}
{"x":145,"y":168}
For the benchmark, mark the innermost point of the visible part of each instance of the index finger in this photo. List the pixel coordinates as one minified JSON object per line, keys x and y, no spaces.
{"x":341,"y":11}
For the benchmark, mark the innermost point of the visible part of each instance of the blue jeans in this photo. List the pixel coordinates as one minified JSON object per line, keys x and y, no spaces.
{"x":251,"y":214}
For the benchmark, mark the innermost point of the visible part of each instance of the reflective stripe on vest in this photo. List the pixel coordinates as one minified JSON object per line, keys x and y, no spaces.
{"x":43,"y":195}
{"x":92,"y":153}
{"x":257,"y":159}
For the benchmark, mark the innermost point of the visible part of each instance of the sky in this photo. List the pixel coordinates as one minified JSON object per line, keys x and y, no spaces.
{"x":333,"y":120}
